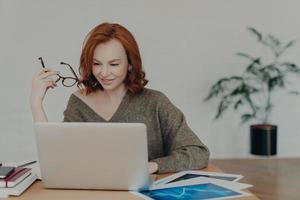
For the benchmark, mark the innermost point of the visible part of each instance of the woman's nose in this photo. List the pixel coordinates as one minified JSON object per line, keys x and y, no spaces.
{"x":105,"y":71}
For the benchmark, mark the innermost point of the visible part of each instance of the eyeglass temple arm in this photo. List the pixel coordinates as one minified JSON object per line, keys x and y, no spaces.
{"x":42,"y":62}
{"x":63,"y":63}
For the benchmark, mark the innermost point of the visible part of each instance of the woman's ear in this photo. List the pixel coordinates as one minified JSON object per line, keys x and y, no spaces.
{"x":129,"y":68}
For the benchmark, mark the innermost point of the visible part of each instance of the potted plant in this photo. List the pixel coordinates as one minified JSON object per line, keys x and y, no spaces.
{"x":251,"y":92}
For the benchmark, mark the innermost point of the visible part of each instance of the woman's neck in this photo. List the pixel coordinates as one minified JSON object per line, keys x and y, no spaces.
{"x":116,"y":94}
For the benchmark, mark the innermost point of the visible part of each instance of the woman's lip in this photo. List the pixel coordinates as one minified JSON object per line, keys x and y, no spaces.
{"x":107,"y":81}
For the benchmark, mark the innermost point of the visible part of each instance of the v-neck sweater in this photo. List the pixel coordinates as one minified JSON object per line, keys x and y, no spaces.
{"x":171,"y":142}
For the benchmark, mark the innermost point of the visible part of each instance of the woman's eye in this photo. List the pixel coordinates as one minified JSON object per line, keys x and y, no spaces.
{"x":96,"y":64}
{"x":114,"y":64}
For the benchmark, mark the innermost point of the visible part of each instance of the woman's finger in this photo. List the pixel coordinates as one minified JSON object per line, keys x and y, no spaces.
{"x":43,"y":70}
{"x":47,"y":80}
{"x":48,"y":74}
{"x":48,"y":84}
{"x":40,"y":71}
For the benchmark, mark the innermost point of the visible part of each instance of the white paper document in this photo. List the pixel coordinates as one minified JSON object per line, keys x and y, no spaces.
{"x":192,"y":192}
{"x":185,"y":175}
{"x":196,"y":185}
{"x":202,"y":180}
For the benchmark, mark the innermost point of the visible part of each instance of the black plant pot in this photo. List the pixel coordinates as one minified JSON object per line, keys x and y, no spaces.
{"x":263,"y":139}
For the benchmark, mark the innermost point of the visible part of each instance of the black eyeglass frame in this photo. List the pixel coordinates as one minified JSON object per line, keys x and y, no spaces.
{"x":64,"y":78}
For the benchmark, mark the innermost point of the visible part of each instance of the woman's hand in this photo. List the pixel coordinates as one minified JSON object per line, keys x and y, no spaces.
{"x":153,"y":167}
{"x":41,"y":82}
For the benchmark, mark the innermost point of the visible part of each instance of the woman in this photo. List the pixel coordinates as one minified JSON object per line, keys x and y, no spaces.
{"x":114,"y":91}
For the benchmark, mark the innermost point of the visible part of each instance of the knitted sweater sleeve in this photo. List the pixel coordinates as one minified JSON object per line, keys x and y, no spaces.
{"x":183,"y":149}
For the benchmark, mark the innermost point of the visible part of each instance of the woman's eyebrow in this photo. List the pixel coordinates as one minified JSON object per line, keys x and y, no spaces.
{"x":96,"y":60}
{"x":113,"y":60}
{"x":116,"y":59}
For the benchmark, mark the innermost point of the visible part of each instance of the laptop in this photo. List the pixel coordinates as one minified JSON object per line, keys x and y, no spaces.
{"x":107,"y":156}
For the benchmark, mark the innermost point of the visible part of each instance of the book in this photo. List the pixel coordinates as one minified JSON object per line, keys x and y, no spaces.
{"x":17,"y":176}
{"x":6,"y":171}
{"x":35,"y":167}
{"x":19,"y":188}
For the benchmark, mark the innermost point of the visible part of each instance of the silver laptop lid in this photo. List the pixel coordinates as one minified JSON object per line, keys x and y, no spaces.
{"x":110,"y":156}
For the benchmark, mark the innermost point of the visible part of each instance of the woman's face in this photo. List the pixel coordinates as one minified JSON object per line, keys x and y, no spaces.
{"x":110,"y":64}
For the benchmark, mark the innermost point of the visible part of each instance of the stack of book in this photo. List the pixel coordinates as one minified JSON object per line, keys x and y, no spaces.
{"x":14,"y":182}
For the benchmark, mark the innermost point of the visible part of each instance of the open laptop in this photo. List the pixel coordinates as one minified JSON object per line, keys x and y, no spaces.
{"x":109,"y":156}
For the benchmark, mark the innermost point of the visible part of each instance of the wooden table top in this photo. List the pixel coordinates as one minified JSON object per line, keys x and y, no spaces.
{"x":273,"y":178}
{"x":37,"y":192}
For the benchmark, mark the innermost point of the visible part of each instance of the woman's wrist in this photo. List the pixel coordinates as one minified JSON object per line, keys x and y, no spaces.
{"x":36,"y":103}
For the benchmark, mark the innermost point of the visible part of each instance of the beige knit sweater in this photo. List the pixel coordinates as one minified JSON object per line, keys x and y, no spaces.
{"x":171,"y":143}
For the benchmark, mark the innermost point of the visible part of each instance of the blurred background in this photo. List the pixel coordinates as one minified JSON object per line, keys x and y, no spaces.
{"x":186,"y":46}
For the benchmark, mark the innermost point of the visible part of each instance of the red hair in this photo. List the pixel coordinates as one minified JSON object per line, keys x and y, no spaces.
{"x":135,"y":80}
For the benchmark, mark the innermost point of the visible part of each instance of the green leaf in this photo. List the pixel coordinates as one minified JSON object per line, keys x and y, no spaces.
{"x":238,"y":104}
{"x":251,"y":104}
{"x":276,"y":82}
{"x":252,"y":67}
{"x":220,"y":86}
{"x":246,"y":117}
{"x":241,"y":54}
{"x":254,"y":60}
{"x":293,"y":92}
{"x":256,"y":33}
{"x":216,"y":89}
{"x":271,"y":72}
{"x":274,"y":41}
{"x":289,"y":44}
{"x":224,"y":104}
{"x":211,"y":94}
{"x":237,"y":78}
{"x":285,"y":47}
{"x":268,"y":108}
{"x":291,"y":67}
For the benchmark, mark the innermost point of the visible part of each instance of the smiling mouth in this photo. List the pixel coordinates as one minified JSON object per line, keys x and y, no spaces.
{"x":107,"y":81}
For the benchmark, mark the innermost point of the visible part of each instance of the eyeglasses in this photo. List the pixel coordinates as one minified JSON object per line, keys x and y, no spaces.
{"x":66,"y":81}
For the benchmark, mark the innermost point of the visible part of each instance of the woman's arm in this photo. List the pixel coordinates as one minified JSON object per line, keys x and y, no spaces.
{"x":183,"y":149}
{"x":41,"y":82}
{"x":38,"y":113}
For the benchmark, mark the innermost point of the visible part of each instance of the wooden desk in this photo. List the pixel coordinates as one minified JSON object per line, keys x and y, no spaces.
{"x":273,"y":178}
{"x":37,"y":192}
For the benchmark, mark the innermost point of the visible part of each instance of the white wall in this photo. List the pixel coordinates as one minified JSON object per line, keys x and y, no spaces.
{"x":186,"y":46}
